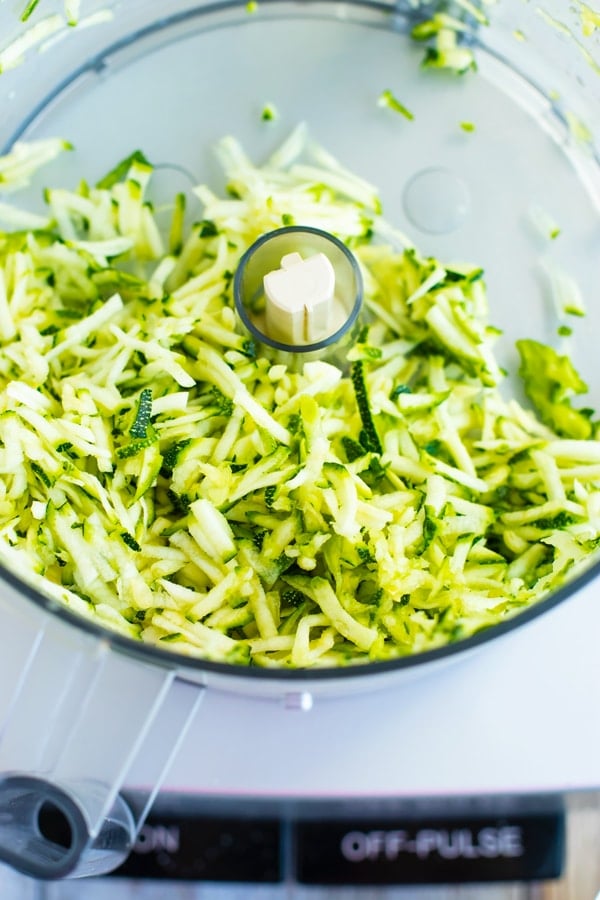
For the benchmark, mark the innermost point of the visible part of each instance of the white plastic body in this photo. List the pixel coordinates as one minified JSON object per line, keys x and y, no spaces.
{"x":88,"y":719}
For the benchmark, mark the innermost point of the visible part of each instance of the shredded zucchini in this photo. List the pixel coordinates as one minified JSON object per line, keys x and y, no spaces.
{"x":161,"y":474}
{"x":44,"y":32}
{"x":388,"y":100}
{"x":444,"y":37}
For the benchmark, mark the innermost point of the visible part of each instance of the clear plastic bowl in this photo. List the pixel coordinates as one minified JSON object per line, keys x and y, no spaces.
{"x":172,"y":83}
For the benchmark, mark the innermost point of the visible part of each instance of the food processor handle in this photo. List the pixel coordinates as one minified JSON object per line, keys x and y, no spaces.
{"x":79,"y":721}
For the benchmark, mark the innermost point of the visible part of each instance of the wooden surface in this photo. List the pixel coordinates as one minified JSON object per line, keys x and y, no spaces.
{"x":581,"y":880}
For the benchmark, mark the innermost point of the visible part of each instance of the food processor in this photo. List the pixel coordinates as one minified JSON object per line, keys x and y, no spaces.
{"x":484,"y":150}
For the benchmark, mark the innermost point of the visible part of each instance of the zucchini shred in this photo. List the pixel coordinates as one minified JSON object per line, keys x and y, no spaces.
{"x":162,"y":475}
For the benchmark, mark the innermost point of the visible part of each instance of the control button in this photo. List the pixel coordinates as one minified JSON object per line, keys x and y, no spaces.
{"x":451,"y":851}
{"x":206,"y":848}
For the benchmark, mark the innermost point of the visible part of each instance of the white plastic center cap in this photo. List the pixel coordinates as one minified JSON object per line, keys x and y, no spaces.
{"x":299,"y":299}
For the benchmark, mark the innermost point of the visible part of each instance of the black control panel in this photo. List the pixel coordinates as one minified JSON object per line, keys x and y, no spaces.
{"x":360,"y":843}
{"x":430,"y":851}
{"x":207,"y":848}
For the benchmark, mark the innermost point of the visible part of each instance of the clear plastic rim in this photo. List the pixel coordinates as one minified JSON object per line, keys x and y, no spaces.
{"x":170,"y":659}
{"x":166,"y":657}
{"x":395,"y":17}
